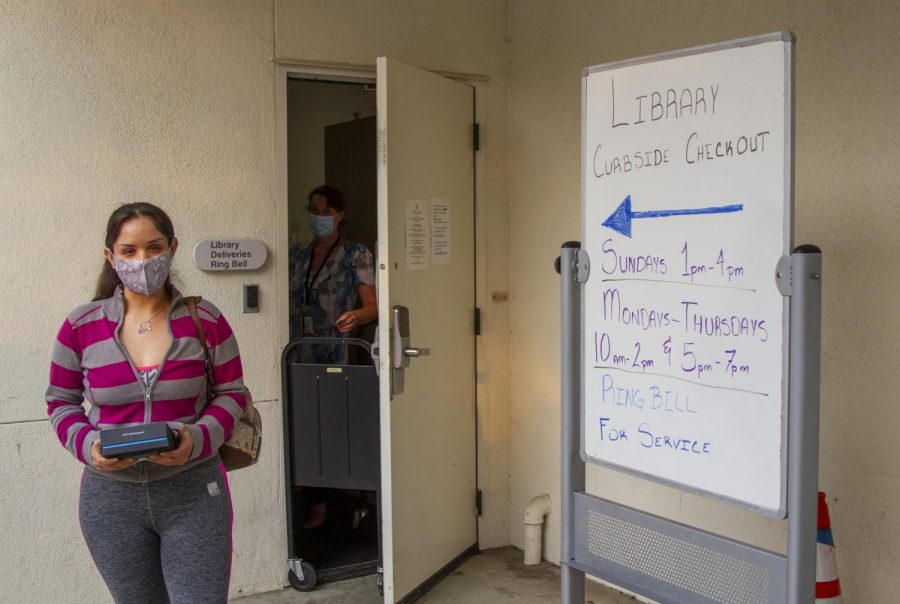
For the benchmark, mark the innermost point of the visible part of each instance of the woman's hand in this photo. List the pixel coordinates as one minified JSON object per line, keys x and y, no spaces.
{"x":108,"y":464}
{"x":366,"y":313}
{"x":179,"y":455}
{"x":347,"y":321}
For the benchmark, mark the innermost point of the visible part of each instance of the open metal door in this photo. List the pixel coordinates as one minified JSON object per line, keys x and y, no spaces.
{"x":426,"y":264}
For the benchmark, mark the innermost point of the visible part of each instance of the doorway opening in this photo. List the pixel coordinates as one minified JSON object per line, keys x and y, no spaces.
{"x":428,"y":439}
{"x":331,"y":141}
{"x":332,"y":427}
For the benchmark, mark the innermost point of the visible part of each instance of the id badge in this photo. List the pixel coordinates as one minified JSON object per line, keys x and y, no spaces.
{"x":308,"y":325}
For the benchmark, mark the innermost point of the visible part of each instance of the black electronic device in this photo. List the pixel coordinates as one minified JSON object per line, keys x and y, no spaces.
{"x":251,"y":298}
{"x":137,"y":441}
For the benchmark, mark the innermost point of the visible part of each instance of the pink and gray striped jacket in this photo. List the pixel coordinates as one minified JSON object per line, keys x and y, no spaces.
{"x":90,"y":363}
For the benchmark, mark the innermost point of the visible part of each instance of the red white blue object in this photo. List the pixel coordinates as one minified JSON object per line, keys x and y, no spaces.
{"x":828,"y":586}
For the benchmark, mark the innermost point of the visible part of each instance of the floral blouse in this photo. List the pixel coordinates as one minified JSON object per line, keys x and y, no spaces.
{"x":331,"y":292}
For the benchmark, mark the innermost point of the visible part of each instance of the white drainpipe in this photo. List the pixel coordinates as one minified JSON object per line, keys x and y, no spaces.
{"x":535,"y":511}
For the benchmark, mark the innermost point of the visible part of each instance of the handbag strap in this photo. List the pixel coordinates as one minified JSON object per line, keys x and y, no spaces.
{"x":191,"y":302}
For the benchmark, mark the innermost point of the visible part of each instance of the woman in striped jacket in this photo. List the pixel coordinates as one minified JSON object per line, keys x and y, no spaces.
{"x":158,"y":529}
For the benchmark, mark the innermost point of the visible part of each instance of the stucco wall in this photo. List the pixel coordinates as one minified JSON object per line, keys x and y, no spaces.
{"x":846,"y":188}
{"x":173,"y":102}
{"x":104,"y":102}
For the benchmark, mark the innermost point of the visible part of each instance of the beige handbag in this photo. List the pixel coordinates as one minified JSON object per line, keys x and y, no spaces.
{"x":242,"y":447}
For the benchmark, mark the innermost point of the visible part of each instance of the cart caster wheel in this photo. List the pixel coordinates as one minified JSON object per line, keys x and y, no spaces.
{"x":308,"y":583}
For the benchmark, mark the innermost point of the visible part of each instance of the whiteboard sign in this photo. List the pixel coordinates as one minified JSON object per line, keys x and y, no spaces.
{"x":230,"y":254}
{"x":686,"y":213}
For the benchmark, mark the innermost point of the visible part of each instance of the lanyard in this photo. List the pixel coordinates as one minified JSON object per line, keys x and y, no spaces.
{"x":312,"y":253}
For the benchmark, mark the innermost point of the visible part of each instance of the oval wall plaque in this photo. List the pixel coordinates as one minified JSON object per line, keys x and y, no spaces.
{"x":230,"y":254}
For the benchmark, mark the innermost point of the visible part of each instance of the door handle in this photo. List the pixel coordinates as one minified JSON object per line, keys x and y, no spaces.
{"x":416,"y":352}
{"x":401,"y":351}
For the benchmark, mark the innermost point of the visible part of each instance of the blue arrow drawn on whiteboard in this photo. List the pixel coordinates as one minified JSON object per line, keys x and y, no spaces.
{"x":620,"y":219}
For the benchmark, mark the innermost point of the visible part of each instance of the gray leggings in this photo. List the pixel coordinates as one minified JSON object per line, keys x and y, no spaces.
{"x":163,"y":542}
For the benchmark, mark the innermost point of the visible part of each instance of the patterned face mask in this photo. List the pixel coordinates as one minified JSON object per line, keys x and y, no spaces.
{"x":144,"y":276}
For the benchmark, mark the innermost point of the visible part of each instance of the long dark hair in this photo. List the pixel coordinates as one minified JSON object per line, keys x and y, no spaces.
{"x":108,"y":279}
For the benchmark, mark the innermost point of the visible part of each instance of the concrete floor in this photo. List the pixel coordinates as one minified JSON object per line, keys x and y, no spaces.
{"x":496,"y":575}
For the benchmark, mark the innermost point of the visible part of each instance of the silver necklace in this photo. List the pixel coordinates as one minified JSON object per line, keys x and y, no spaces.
{"x":145,"y":327}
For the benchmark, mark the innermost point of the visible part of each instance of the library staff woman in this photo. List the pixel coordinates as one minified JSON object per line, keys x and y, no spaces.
{"x":332,"y":284}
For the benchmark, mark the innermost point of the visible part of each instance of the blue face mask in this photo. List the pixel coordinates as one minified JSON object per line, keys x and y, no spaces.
{"x":321,"y":226}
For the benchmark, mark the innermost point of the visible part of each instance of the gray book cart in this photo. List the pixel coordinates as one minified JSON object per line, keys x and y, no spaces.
{"x":331,"y":445}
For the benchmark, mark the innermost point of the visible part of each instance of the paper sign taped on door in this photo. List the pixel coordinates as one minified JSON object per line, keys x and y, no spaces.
{"x":440,"y":230}
{"x":417,"y":240}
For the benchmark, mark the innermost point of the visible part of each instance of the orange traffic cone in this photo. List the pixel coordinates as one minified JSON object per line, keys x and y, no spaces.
{"x":828,"y":586}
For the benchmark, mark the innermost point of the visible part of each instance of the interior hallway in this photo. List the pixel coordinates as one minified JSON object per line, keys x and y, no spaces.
{"x":496,"y":575}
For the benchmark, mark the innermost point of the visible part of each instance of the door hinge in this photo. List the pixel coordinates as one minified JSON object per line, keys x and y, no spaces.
{"x":478,"y":502}
{"x":476,"y":136}
{"x":477,"y":321}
